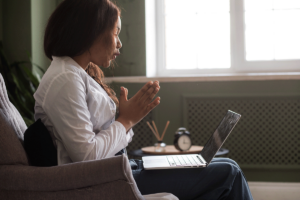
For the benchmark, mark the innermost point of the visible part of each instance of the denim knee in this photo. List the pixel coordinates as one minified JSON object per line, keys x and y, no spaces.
{"x":226,"y":160}
{"x":232,"y":162}
{"x":224,"y":169}
{"x":229,"y":174}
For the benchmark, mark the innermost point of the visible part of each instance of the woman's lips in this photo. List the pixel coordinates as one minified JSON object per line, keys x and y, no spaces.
{"x":115,"y":55}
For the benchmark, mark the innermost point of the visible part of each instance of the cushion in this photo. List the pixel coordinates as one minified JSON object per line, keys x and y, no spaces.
{"x":10,"y":111}
{"x":39,"y":146}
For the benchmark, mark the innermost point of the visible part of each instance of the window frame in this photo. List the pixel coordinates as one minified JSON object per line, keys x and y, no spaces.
{"x":155,"y":47}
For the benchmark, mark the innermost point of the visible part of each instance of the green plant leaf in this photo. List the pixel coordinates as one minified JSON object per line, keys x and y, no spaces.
{"x":26,"y":112}
{"x":28,"y":121}
{"x":24,"y":81}
{"x":24,"y":97}
{"x":41,"y":69}
{"x":16,"y":81}
{"x":21,"y":84}
{"x":31,"y":77}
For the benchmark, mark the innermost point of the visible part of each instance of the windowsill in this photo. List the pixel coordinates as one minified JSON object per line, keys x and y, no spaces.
{"x":209,"y":77}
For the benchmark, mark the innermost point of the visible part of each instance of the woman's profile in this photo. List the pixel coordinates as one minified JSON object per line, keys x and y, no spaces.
{"x":79,"y":109}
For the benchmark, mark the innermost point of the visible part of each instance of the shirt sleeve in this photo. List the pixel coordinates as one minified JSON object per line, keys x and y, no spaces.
{"x":129,"y":135}
{"x":66,"y":106}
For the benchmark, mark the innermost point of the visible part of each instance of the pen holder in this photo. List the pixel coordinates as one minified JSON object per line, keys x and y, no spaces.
{"x":159,"y":146}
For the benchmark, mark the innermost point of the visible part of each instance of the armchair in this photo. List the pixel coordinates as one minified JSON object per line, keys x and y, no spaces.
{"x":109,"y":178}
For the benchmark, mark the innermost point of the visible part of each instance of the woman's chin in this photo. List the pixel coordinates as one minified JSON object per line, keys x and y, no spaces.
{"x":106,"y":65}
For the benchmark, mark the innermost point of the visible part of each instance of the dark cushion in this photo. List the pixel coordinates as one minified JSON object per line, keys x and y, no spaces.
{"x":39,"y":146}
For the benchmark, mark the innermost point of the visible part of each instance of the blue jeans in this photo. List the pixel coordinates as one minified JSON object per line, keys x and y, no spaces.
{"x":222,"y":179}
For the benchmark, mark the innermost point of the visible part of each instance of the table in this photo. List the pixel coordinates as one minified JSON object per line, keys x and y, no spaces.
{"x":138,"y":153}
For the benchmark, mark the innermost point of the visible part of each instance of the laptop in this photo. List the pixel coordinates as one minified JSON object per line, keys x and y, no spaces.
{"x":202,"y":159}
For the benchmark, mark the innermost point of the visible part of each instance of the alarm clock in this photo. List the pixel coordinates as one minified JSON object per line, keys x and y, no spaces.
{"x":182,"y":140}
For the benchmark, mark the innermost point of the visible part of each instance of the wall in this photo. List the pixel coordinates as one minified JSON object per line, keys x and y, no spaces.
{"x":40,"y":13}
{"x":16,"y":23}
{"x":22,"y":25}
{"x":132,"y":61}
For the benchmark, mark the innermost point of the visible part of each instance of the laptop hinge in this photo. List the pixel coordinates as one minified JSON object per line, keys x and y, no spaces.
{"x":202,"y":160}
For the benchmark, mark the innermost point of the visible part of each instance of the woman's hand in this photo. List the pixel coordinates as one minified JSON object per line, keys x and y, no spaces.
{"x":135,"y":109}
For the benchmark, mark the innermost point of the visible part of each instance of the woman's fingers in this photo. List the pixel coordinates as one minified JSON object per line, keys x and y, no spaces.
{"x":143,"y":90}
{"x":126,"y":94}
{"x":148,"y":98}
{"x":148,"y":95}
{"x":136,"y":108}
{"x":153,"y":104}
{"x":122,"y":94}
{"x":140,"y":95}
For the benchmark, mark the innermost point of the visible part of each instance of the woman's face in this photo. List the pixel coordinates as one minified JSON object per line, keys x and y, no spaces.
{"x":106,"y":47}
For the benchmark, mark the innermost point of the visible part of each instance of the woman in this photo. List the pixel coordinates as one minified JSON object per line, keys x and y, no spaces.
{"x":79,"y":110}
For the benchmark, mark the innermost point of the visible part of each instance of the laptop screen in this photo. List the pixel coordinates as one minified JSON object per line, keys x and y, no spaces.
{"x":219,"y":136}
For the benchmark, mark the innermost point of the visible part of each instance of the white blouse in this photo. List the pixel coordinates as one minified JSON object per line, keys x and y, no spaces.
{"x":78,"y":113}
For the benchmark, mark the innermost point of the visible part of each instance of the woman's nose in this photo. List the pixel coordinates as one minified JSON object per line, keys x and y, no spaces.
{"x":119,"y":44}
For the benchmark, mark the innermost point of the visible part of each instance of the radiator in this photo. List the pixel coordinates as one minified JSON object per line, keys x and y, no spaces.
{"x":268,"y":133}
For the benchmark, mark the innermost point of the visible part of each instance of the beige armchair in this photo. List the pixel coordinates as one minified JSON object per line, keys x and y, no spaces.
{"x":109,"y":178}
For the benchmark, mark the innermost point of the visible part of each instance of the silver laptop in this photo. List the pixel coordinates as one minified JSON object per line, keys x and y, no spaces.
{"x":202,"y":159}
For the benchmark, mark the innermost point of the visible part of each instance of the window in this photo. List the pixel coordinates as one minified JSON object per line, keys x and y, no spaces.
{"x":222,"y":36}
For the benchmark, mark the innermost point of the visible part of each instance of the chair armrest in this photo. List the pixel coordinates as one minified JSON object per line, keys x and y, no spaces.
{"x":66,"y":177}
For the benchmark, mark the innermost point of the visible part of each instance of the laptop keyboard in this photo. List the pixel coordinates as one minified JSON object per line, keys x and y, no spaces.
{"x":184,"y":160}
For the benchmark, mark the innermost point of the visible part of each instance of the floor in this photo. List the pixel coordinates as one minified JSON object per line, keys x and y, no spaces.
{"x":275,"y":191}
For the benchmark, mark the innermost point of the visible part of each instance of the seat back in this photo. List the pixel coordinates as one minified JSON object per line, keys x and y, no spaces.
{"x":12,"y":128}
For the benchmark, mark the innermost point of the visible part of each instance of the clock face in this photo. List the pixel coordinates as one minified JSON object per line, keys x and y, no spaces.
{"x":184,"y":142}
